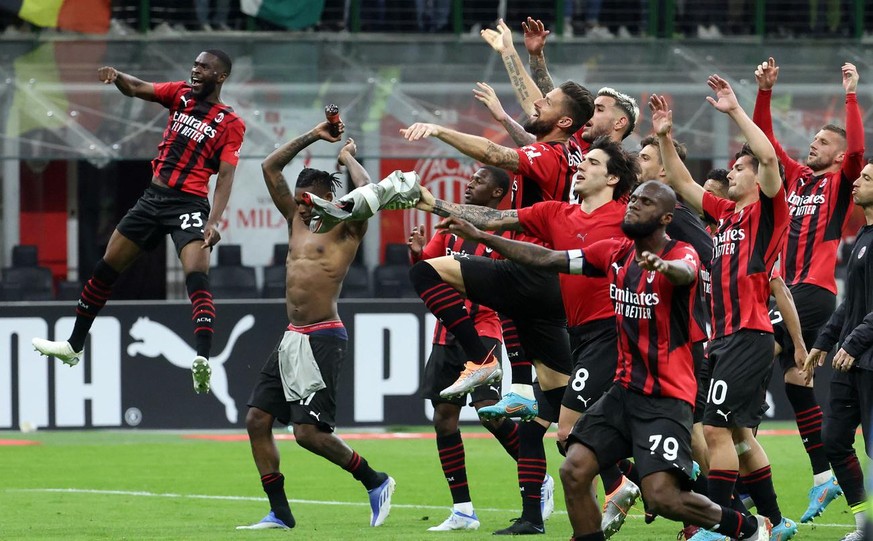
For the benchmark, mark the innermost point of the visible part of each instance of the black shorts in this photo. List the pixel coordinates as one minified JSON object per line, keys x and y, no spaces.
{"x":317,"y":409}
{"x":740,"y":365}
{"x":815,"y":305}
{"x":530,"y":297}
{"x":701,"y":373}
{"x":594,"y":360}
{"x":162,"y":210}
{"x":444,"y":366}
{"x":655,"y":431}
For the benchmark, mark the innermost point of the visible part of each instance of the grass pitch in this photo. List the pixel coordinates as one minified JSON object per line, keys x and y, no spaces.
{"x":155,"y":485}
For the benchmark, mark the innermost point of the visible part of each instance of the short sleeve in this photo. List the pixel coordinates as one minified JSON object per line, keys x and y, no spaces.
{"x":165,"y":93}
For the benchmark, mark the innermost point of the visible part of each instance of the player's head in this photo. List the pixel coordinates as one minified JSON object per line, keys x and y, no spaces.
{"x":320,"y":183}
{"x":650,"y":158}
{"x":743,"y":176}
{"x":827,"y":148}
{"x":211,"y":68}
{"x":606,"y":166}
{"x":649,"y":210}
{"x":716,"y":183}
{"x":862,"y":188}
{"x":487,"y":186}
{"x":566,"y":108}
{"x":615,"y":115}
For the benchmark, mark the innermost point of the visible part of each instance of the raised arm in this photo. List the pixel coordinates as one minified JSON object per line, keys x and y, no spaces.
{"x":525,"y":253}
{"x":854,"y":160}
{"x":486,"y":95}
{"x":346,"y":157}
{"x":535,"y":34}
{"x":272,"y":166}
{"x":526,"y":90}
{"x":677,"y":174}
{"x":768,"y":163}
{"x":127,"y":84}
{"x":766,"y":74}
{"x":482,"y":217}
{"x":473,"y":146}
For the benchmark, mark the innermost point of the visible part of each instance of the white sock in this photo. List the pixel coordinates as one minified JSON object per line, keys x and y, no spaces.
{"x":822,"y":477}
{"x":860,"y":520}
{"x":523,"y":389}
{"x":464,"y":507}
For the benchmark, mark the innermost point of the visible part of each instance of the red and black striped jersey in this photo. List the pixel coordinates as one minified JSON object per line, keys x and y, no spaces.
{"x":545,"y":173}
{"x":653,"y":317}
{"x":485,"y":319}
{"x":565,"y":226}
{"x":820,"y":205}
{"x":746,"y":246}
{"x":198,"y":137}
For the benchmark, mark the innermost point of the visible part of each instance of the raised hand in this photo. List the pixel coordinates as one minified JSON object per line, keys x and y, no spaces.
{"x":850,"y":77}
{"x":662,"y":116}
{"x":323,"y":131}
{"x":535,"y":34}
{"x":349,"y":150}
{"x":107,"y":75}
{"x":420,"y":130}
{"x":727,"y":100}
{"x":500,"y":40}
{"x":426,"y":200}
{"x":486,"y":95}
{"x":766,"y":74}
{"x":416,"y":240}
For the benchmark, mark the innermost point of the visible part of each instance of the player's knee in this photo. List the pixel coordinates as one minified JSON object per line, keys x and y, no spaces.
{"x":563,"y":433}
{"x":258,"y":421}
{"x":661,"y":500}
{"x":578,"y":469}
{"x":838,"y":444}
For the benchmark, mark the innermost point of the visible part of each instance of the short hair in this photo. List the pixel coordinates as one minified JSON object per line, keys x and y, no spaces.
{"x":626,"y":104}
{"x":681,"y":150}
{"x":499,"y":177}
{"x":223,"y":57}
{"x":580,"y":103}
{"x":317,"y":178}
{"x":621,"y":164}
{"x":747,"y":151}
{"x":718,"y":175}
{"x":835,"y":129}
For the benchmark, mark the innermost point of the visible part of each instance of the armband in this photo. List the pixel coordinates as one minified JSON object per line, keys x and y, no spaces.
{"x":577,"y":261}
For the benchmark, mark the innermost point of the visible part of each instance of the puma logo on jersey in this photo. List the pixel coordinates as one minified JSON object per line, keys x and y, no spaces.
{"x":616,"y":267}
{"x":184,"y":101}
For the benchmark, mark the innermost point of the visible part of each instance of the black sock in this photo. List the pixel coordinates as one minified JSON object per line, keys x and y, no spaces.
{"x":808,"y":416}
{"x":531,"y":470}
{"x":596,"y":536}
{"x":361,"y":470}
{"x":735,"y":525}
{"x":611,"y":478}
{"x":94,"y":296}
{"x":447,"y":305}
{"x":453,"y":462}
{"x":202,"y":311}
{"x":507,"y":435}
{"x":629,"y":469}
{"x":759,"y":483}
{"x":721,"y":486}
{"x":274,"y":486}
{"x":519,"y":363}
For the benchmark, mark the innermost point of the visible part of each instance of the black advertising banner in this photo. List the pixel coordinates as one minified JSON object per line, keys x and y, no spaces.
{"x":136,"y":372}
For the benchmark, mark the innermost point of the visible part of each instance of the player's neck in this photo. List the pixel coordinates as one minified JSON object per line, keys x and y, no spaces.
{"x":868,"y":215}
{"x":590,"y":203}
{"x":654,"y":243}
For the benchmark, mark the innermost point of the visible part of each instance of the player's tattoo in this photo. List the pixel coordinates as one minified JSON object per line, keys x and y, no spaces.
{"x":285,"y":154}
{"x":540,"y":74}
{"x":439,"y":208}
{"x":517,"y":132}
{"x":500,"y":156}
{"x":516,"y":78}
{"x":282,"y":189}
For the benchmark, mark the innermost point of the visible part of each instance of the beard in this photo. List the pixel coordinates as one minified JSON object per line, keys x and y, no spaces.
{"x":536,"y":127}
{"x":639,"y":230}
{"x":206,"y":88}
{"x":817,"y":164}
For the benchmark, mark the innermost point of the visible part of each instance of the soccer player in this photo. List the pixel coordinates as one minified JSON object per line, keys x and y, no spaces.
{"x":820,"y":206}
{"x":615,"y":113}
{"x":751,"y":231}
{"x":487,"y":187}
{"x":298,"y":383}
{"x":203,"y":137}
{"x":647,"y":413}
{"x":544,"y":172}
{"x":851,"y":390}
{"x":601,"y":183}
